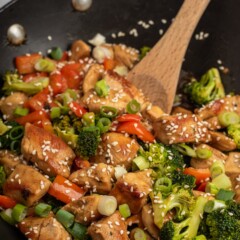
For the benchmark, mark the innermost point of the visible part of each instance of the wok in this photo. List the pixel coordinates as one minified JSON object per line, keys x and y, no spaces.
{"x":58,"y":19}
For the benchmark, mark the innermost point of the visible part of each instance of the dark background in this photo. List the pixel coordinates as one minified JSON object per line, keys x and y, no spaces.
{"x":57,"y":18}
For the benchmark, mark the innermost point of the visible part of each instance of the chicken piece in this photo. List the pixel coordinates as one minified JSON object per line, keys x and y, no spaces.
{"x":109,"y":228}
{"x":120,"y":94}
{"x":47,"y":228}
{"x":79,"y":49}
{"x":232,"y":169}
{"x":148,"y":221}
{"x":133,"y":189}
{"x":94,"y":74}
{"x":97,"y":178}
{"x":9,"y":104}
{"x":116,"y":149}
{"x":207,"y":163}
{"x":85,"y":209}
{"x":177,"y":110}
{"x":9,"y":160}
{"x":229,"y":103}
{"x":181,"y":128}
{"x":125,"y":55}
{"x":26,"y":185}
{"x":222,"y":142}
{"x":47,"y":151}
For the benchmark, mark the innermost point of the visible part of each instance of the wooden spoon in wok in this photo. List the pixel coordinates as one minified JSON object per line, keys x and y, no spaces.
{"x":158,"y":73}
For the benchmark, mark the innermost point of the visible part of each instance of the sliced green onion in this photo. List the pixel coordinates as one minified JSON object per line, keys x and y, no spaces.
{"x":225,"y":195}
{"x":19,"y":111}
{"x":101,"y":88}
{"x":124,"y":210}
{"x":228,"y":118}
{"x":56,"y":53}
{"x":16,"y":133}
{"x":88,"y":119}
{"x":163,"y":185}
{"x":185,"y":150}
{"x":211,"y":188}
{"x":222,"y":181}
{"x":203,"y":153}
{"x":212,"y":205}
{"x":140,"y":163}
{"x":104,"y":124}
{"x":55,"y":112}
{"x":43,"y":209}
{"x":139,"y":234}
{"x":6,"y":215}
{"x":217,"y":168}
{"x":3,"y":128}
{"x":78,"y":231}
{"x":65,"y":218}
{"x":133,"y":106}
{"x":108,"y":112}
{"x":44,"y":65}
{"x":107,"y":205}
{"x":19,"y":212}
{"x":15,"y":146}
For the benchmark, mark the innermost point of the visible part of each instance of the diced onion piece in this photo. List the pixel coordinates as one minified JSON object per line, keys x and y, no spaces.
{"x":97,"y":40}
{"x":119,"y":171}
{"x":107,"y":205}
{"x":121,"y":70}
{"x":100,"y":53}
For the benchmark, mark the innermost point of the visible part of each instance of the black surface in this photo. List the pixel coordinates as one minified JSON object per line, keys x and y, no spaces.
{"x":57,"y":18}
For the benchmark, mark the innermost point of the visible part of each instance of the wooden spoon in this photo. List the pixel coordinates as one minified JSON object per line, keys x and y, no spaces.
{"x":158,"y":73}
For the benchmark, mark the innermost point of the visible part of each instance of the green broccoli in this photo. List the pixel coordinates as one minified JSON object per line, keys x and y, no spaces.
{"x":13,"y":83}
{"x":233,"y":131}
{"x":209,"y":88}
{"x":88,"y":140}
{"x":187,"y":228}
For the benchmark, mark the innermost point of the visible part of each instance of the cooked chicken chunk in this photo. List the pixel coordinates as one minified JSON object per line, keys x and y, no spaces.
{"x":98,"y":178}
{"x":47,"y":151}
{"x":79,"y":49}
{"x":9,"y":160}
{"x":116,"y":149}
{"x":207,"y":163}
{"x":120,"y":94}
{"x":181,"y":128}
{"x":9,"y":104}
{"x":229,"y":103}
{"x":109,"y":228}
{"x":232,"y":168}
{"x":85,"y":209}
{"x":26,"y":185}
{"x":133,"y":188}
{"x":47,"y":228}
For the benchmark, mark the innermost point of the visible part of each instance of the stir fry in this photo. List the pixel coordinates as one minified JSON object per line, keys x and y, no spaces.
{"x":85,"y":155}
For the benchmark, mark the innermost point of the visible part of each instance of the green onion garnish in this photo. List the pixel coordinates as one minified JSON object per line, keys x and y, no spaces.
{"x":42,"y":209}
{"x":139,"y":234}
{"x":19,"y":212}
{"x":55,"y":112}
{"x":104,"y":124}
{"x":56,"y":53}
{"x":228,"y":118}
{"x":19,"y":111}
{"x":44,"y":65}
{"x":203,"y":153}
{"x":124,"y":210}
{"x":65,"y":218}
{"x":101,"y":88}
{"x":225,"y":195}
{"x":212,"y":205}
{"x":78,"y":231}
{"x":133,"y":106}
{"x":140,"y":163}
{"x":6,"y":215}
{"x":88,"y":119}
{"x":108,"y":112}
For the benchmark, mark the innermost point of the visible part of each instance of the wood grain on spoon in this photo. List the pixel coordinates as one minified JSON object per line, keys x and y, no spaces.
{"x":157,"y":74}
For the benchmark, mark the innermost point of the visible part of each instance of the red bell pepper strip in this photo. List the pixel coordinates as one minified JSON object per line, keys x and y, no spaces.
{"x":7,"y":202}
{"x":77,"y":109}
{"x":128,"y":117}
{"x":31,"y":76}
{"x":109,"y":64}
{"x":25,"y":64}
{"x":32,"y":117}
{"x":58,"y":83}
{"x":64,"y":190}
{"x":137,"y":128}
{"x":200,"y":174}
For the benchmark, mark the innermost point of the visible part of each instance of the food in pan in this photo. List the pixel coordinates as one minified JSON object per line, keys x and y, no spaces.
{"x":85,"y":155}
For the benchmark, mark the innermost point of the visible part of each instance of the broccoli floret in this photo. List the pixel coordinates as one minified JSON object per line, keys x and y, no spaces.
{"x":88,"y":140}
{"x":187,"y":228}
{"x":209,"y":88}
{"x":233,"y":131}
{"x":13,"y":83}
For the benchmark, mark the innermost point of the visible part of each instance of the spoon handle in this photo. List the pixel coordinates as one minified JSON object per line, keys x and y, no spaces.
{"x":157,"y":74}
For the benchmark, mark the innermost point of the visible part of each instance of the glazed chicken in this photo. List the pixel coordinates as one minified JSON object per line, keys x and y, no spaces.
{"x":47,"y":151}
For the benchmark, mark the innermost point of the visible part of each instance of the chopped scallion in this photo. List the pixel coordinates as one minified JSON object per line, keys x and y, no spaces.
{"x":65,"y":218}
{"x":133,"y":106}
{"x":19,"y":212}
{"x":42,"y":209}
{"x":124,"y":210}
{"x":101,"y":88}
